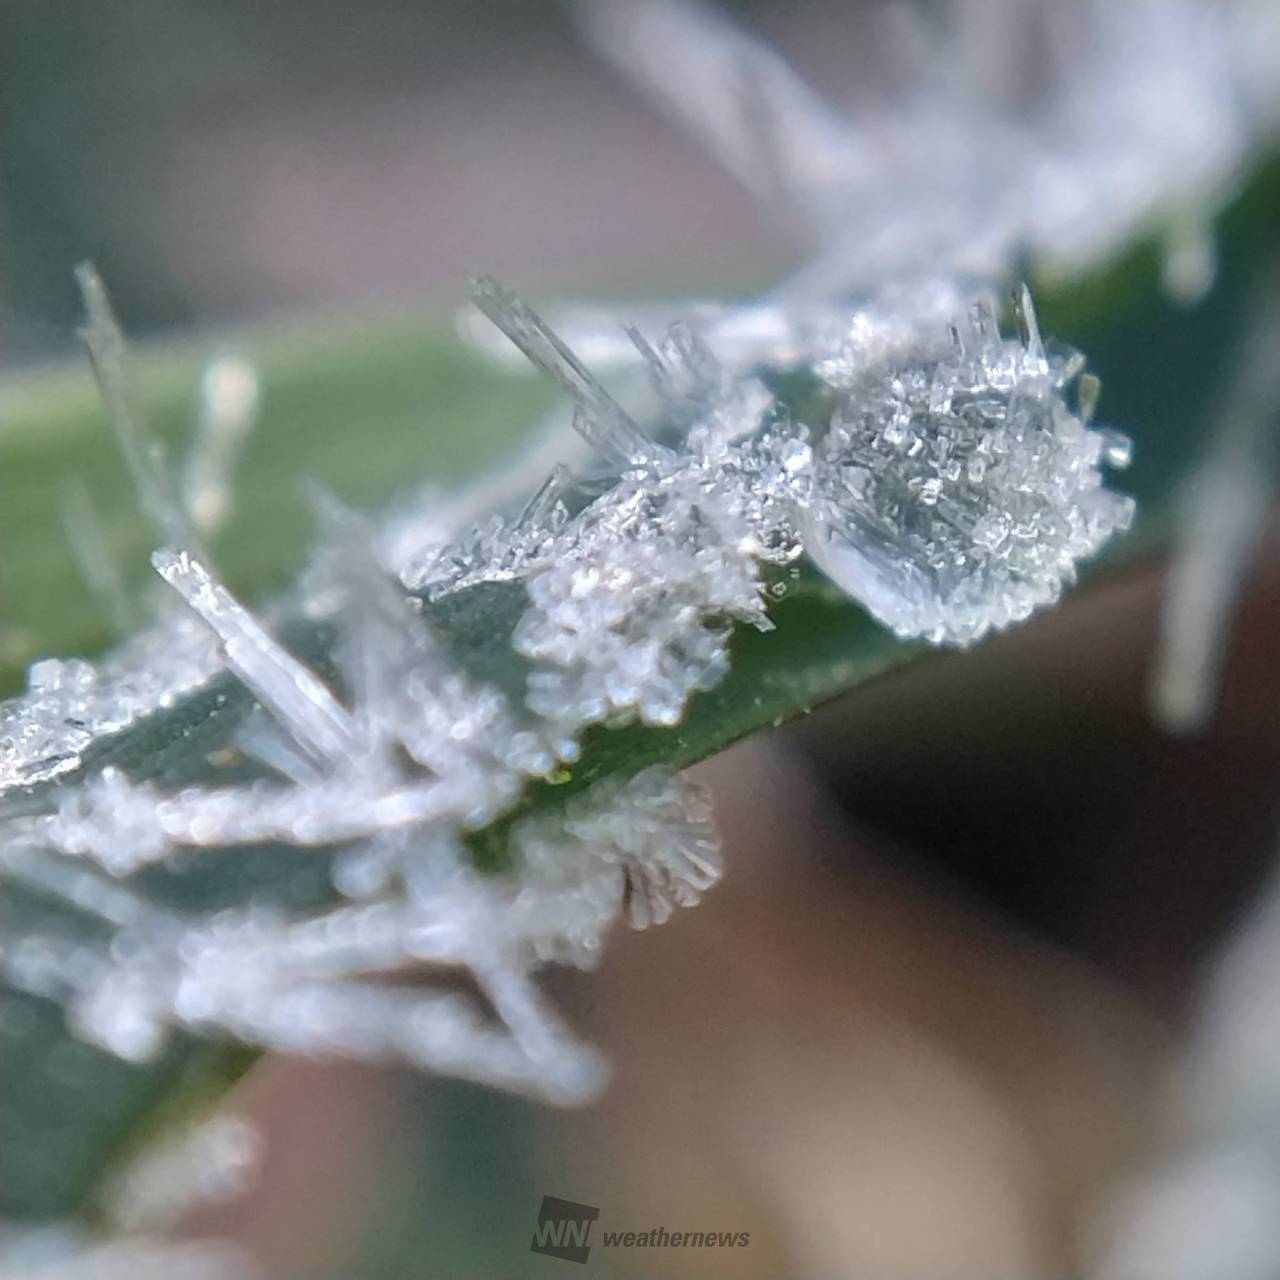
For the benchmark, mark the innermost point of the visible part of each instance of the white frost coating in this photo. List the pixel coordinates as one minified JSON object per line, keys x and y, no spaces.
{"x":946,"y":476}
{"x":297,"y":984}
{"x":956,"y":495}
{"x":70,"y":704}
{"x":980,"y":475}
{"x":424,"y":756}
{"x":297,"y":699}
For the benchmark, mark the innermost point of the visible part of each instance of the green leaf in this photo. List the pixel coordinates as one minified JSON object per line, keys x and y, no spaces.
{"x":365,"y":407}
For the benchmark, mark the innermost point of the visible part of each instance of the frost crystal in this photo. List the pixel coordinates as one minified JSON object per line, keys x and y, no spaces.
{"x":394,"y":723}
{"x":1225,"y":511}
{"x":939,"y":476}
{"x":957,"y":494}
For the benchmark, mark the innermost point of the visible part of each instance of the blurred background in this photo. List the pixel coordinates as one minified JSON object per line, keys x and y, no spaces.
{"x":933,"y":1021}
{"x":226,"y":159}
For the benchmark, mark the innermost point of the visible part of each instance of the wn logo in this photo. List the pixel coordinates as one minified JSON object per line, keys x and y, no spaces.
{"x":564,"y":1229}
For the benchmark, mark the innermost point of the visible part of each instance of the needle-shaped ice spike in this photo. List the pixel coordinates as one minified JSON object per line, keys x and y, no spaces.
{"x":291,"y":692}
{"x":746,"y":105}
{"x":602,"y":421}
{"x":229,"y":396}
{"x":108,"y":352}
{"x":1224,"y":516}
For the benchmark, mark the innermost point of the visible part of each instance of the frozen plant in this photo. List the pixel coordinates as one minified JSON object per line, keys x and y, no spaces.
{"x":950,"y":487}
{"x":413,"y":730}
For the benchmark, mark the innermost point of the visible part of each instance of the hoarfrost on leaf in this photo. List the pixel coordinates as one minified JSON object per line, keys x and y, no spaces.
{"x":946,"y":477}
{"x":943,"y":480}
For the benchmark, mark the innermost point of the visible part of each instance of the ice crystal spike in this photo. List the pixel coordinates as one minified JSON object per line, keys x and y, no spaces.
{"x":955,"y":494}
{"x":759,"y":119}
{"x":228,"y":410}
{"x":1225,"y":511}
{"x":603,"y":422}
{"x":318,"y":723}
{"x":142,"y":452}
{"x":205,"y":1163}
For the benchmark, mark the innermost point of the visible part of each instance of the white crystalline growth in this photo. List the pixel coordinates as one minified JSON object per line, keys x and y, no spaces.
{"x":631,"y":602}
{"x":420,"y":757}
{"x":649,"y":843}
{"x":635,"y":616}
{"x":71,"y":703}
{"x":955,"y":495}
{"x":953,"y":491}
{"x":952,"y":467}
{"x":299,"y":983}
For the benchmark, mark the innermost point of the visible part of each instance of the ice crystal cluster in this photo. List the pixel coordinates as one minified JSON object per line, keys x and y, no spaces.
{"x":945,"y":475}
{"x":957,"y":464}
{"x":957,"y":495}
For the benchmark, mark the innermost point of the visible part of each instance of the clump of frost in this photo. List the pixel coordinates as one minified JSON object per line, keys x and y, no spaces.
{"x":952,"y":487}
{"x":957,"y":494}
{"x":385,"y":782}
{"x":945,"y":476}
{"x":946,"y":457}
{"x":421,"y":757}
